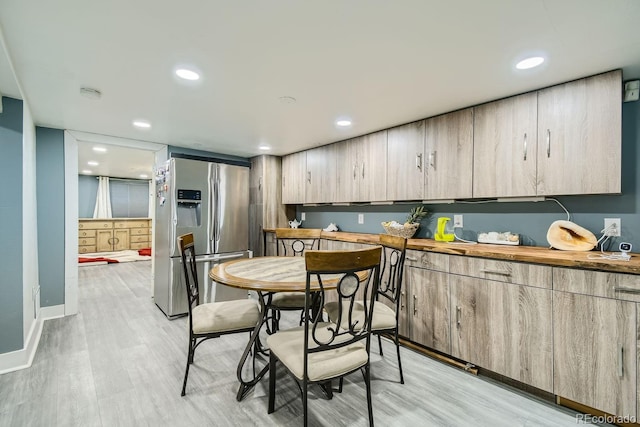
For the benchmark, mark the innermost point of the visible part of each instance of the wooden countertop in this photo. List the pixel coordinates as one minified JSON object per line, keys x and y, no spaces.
{"x":532,"y":254}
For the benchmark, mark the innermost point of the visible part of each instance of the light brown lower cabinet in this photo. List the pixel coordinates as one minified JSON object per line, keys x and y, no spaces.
{"x":424,"y":308}
{"x":504,"y":328}
{"x":595,"y":352}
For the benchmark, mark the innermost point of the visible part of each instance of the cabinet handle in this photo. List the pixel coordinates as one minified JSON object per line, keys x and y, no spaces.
{"x":309,"y":177}
{"x":260,"y":184}
{"x":458,"y":316}
{"x":419,"y":161}
{"x":432,"y":159}
{"x":415,"y":309}
{"x":548,"y":143}
{"x":626,"y":290}
{"x":620,"y":360}
{"x":408,"y":258}
{"x":500,"y":272}
{"x":402,"y":300}
{"x":355,"y":165}
{"x":525,"y":147}
{"x":362,"y":170}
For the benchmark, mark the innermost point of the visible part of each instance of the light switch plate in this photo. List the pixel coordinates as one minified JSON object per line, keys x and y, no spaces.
{"x":457,"y":221}
{"x":360,"y":218}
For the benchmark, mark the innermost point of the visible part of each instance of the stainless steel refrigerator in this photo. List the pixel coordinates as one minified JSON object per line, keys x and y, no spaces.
{"x":210,"y":200}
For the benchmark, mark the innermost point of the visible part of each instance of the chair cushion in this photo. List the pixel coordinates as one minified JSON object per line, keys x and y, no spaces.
{"x":225,"y":316}
{"x":383,"y":316}
{"x":288,"y":300}
{"x":288,"y":346}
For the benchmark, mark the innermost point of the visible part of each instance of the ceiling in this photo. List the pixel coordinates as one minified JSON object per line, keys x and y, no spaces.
{"x":380,"y":63}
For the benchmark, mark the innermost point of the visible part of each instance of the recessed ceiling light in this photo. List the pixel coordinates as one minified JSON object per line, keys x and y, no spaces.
{"x":264,"y":147}
{"x":343,"y":122}
{"x":142,"y":175}
{"x":86,"y":171}
{"x":527,"y":63}
{"x":91,"y":93}
{"x":100,"y":149}
{"x":183,"y":73}
{"x":142,"y":124}
{"x":92,"y":163}
{"x":287,"y":100}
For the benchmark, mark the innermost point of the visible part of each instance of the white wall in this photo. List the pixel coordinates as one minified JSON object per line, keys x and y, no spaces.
{"x":30,"y":284}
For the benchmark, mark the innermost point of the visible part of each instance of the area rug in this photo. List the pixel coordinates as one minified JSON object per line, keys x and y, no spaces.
{"x":101,"y":258}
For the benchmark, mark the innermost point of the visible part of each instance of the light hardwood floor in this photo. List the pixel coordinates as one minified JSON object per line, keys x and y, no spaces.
{"x":121,"y":362}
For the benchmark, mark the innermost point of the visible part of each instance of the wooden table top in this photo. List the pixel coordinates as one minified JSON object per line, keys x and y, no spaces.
{"x":269,"y":274}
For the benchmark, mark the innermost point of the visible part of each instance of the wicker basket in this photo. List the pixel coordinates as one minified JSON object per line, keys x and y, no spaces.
{"x":406,"y":232}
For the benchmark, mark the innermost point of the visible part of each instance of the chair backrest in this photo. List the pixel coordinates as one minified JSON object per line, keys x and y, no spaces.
{"x":188,"y":253}
{"x":355,"y":269}
{"x":392,"y":267}
{"x":295,"y":241}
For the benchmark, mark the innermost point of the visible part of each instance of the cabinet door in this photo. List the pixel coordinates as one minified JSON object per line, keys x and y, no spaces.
{"x":294,"y":178}
{"x":121,"y":239}
{"x":504,"y":328}
{"x":405,"y":162}
{"x":372,"y":167}
{"x":424,"y":308}
{"x":321,"y":175}
{"x":579,"y":136}
{"x":505,"y":147}
{"x":449,"y":156}
{"x":104,"y":240}
{"x":347,"y":181}
{"x":595,"y":352}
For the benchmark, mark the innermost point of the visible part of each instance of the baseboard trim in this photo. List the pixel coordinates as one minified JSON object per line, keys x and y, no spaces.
{"x":52,"y":312}
{"x":23,"y":358}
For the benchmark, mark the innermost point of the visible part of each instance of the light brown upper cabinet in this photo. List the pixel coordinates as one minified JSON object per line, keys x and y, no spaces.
{"x":294,"y":177}
{"x":405,"y":162}
{"x":321,"y":175}
{"x":579,"y":136}
{"x":362,"y":168}
{"x":505,"y":147}
{"x":449,"y":156}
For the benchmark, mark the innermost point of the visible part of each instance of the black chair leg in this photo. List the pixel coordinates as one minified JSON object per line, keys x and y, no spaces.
{"x":305,"y":386}
{"x":272,"y":384}
{"x":189,"y":362}
{"x":367,"y":382}
{"x":380,"y":345}
{"x":399,"y":361}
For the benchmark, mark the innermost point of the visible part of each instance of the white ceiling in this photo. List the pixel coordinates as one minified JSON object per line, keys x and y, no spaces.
{"x":381,"y":63}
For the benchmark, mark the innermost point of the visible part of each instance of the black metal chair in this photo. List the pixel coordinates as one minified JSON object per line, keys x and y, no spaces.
{"x":319,"y":352}
{"x":386,"y":310}
{"x":291,"y":242}
{"x":211,"y":320}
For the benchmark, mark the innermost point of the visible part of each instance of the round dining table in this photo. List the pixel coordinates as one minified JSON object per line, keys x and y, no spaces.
{"x":265,"y":275}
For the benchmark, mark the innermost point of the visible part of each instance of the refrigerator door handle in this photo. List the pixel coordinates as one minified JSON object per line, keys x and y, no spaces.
{"x":174,"y":209}
{"x":210,"y":219}
{"x":216,"y":217}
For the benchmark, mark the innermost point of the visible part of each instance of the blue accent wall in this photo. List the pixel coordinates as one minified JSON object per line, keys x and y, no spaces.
{"x":50,"y":195}
{"x":529,"y":219}
{"x":11,"y":322}
{"x":87,"y":192}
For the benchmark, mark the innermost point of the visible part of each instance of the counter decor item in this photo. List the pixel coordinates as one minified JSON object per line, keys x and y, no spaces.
{"x":409,"y":228}
{"x":496,"y":238}
{"x":331,"y":227}
{"x":295,"y":223}
{"x":569,"y":236}
{"x":444,"y":232}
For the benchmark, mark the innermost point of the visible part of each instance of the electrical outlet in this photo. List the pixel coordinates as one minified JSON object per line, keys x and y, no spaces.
{"x":612,"y":227}
{"x":360,"y":218}
{"x":303,"y":216}
{"x":457,"y":221}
